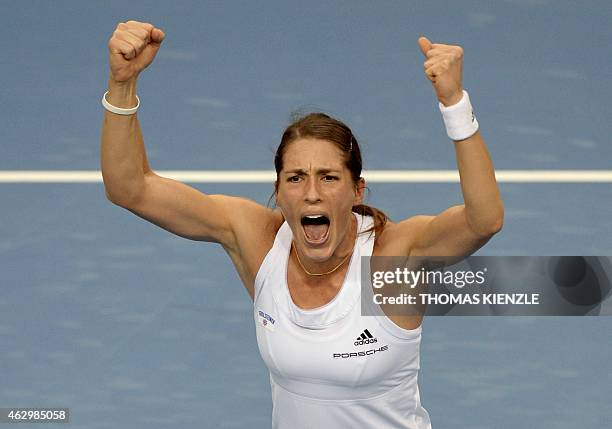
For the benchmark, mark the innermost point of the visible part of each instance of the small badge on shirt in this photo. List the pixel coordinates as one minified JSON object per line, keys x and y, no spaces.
{"x":266,"y":320}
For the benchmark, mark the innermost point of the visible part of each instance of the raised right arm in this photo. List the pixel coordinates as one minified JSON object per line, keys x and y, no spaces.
{"x":129,"y":181}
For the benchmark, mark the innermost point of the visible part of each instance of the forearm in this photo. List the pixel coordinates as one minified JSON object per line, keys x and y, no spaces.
{"x":483,"y":208}
{"x":483,"y":204}
{"x":122,"y":153}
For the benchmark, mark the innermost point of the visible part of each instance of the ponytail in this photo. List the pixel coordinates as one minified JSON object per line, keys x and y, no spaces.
{"x":380,"y":219}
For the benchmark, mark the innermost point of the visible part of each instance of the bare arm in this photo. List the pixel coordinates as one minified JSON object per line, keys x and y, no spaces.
{"x":132,"y":48}
{"x":128,"y":179}
{"x":122,"y":153}
{"x":484,"y":209}
{"x":463,"y":229}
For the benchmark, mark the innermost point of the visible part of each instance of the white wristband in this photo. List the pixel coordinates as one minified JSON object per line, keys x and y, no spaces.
{"x":459,"y":119}
{"x":119,"y":110}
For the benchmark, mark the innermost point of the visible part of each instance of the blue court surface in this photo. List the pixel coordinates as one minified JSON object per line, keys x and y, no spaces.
{"x":132,"y":327}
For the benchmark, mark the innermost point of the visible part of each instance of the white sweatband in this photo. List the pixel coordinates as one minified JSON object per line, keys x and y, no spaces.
{"x":459,"y":119}
{"x":119,"y":110}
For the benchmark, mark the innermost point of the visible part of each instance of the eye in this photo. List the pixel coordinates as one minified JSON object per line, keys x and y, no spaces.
{"x":329,"y":178}
{"x":293,"y":179}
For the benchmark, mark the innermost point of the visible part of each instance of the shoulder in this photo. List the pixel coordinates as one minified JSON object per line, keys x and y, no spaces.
{"x":398,"y":239}
{"x":253,"y":224}
{"x":254,"y":228}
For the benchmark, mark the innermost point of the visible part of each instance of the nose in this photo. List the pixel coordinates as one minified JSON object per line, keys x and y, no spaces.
{"x":311,"y":193}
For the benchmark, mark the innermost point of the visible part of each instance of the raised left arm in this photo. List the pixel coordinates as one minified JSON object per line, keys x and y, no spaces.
{"x":459,"y":230}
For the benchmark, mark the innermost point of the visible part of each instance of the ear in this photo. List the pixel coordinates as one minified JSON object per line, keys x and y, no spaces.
{"x":359,"y":191}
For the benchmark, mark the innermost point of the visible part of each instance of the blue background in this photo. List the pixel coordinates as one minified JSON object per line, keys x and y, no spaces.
{"x":129,"y":326}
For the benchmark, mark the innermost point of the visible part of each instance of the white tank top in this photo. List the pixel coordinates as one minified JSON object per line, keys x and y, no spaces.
{"x":330,"y":367}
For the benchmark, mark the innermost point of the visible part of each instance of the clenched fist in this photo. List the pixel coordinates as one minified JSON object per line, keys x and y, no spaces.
{"x":132,"y":48}
{"x":444,"y":68}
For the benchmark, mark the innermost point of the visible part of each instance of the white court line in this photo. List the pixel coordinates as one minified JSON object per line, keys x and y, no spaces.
{"x":268,"y":176}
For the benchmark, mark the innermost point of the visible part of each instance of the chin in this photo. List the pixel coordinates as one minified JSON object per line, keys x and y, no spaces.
{"x":318,"y":254}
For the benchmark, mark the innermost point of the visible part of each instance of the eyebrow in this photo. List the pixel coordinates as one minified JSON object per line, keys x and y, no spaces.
{"x":303,"y":172}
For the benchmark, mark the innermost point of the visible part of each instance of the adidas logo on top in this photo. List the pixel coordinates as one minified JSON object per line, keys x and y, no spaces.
{"x":365,"y":338}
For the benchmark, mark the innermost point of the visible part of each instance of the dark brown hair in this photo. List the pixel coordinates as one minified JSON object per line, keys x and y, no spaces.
{"x":324,"y":127}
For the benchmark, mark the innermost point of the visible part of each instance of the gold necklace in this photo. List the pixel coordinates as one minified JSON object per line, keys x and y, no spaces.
{"x":317,"y":274}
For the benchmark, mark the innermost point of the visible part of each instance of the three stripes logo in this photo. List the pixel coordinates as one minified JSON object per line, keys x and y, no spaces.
{"x":365,"y":338}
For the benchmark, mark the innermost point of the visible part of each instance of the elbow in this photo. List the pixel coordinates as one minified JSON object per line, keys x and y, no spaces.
{"x":490,"y":226}
{"x":109,"y":196}
{"x":116,"y":200}
{"x":496,"y":223}
{"x":500,"y":218}
{"x":121,"y":199}
{"x":123,"y":193}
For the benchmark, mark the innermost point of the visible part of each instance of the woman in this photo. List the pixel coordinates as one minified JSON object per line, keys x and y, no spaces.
{"x":300,"y":263}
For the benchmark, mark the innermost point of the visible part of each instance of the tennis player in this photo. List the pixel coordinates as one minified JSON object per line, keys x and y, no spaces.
{"x":330,"y":367}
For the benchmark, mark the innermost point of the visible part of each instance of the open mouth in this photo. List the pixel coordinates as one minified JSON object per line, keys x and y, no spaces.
{"x":316,"y":228}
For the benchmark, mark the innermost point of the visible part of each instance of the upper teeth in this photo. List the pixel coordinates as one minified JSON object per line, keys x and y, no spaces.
{"x":313,"y":216}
